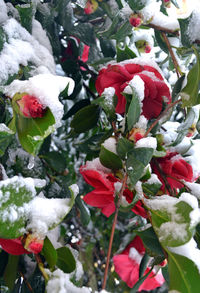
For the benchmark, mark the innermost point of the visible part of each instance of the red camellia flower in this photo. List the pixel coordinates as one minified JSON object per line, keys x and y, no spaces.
{"x":104,"y":191}
{"x":155,"y":89}
{"x":127,"y":266}
{"x":173,"y":167}
{"x":30,"y":107}
{"x":13,"y":246}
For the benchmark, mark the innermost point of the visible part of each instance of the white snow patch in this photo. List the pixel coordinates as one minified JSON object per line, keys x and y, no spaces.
{"x":147,"y":142}
{"x":110,"y":144}
{"x":4,"y":128}
{"x":135,"y":255}
{"x":137,"y":84}
{"x":95,"y":164}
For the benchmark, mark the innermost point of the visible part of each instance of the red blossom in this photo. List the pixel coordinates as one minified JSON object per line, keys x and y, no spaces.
{"x":127,"y":266}
{"x":117,"y":76}
{"x":91,"y":6}
{"x":103,"y":194}
{"x":173,"y":167}
{"x":30,"y":107}
{"x":135,"y":20}
{"x":13,"y":246}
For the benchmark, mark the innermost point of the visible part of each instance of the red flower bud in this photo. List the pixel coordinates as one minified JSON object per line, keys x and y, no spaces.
{"x":167,"y":3}
{"x":91,"y":6}
{"x":32,"y":243}
{"x":147,"y":49}
{"x":136,"y":134}
{"x":30,"y":107}
{"x":135,"y":20}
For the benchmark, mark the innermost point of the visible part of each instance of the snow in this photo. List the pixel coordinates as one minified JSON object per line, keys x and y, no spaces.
{"x":110,"y":144}
{"x":142,"y":122}
{"x":138,"y":85}
{"x":44,"y":213}
{"x":18,"y":182}
{"x":117,"y":186}
{"x":176,"y":231}
{"x":108,"y":94}
{"x":139,"y":190}
{"x":3,"y":172}
{"x":135,"y":255}
{"x":188,"y":250}
{"x":147,"y":142}
{"x":4,"y":128}
{"x":40,"y":35}
{"x":21,"y":48}
{"x":60,"y":283}
{"x":95,"y":164}
{"x":3,"y":12}
{"x":193,"y":158}
{"x":75,"y":189}
{"x":153,"y":180}
{"x":46,"y":88}
{"x":194,"y":188}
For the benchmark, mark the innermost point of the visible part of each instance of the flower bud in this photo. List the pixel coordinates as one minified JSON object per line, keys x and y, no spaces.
{"x":30,"y":107}
{"x":191,"y":130}
{"x":91,"y":6}
{"x":143,"y":46}
{"x":136,"y":134}
{"x":167,"y":3}
{"x":135,"y":19}
{"x":32,"y":243}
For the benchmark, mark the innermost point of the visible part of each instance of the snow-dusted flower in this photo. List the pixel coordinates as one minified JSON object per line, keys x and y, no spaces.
{"x":120,"y":74}
{"x":127,"y":266}
{"x":30,"y":107}
{"x":91,"y":6}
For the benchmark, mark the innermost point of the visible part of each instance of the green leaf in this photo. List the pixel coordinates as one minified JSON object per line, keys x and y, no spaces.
{"x":151,"y":189}
{"x":108,"y":104}
{"x":76,"y":107}
{"x":177,"y":87}
{"x":26,"y":15}
{"x":124,"y":54}
{"x":6,"y":136}
{"x":85,"y":119}
{"x":123,"y":147}
{"x":150,"y":241}
{"x":16,"y":192}
{"x":107,"y":47}
{"x":143,"y":264}
{"x":56,"y":161}
{"x":172,"y":223}
{"x":134,"y":111}
{"x":137,"y":160}
{"x":65,"y":260}
{"x":139,"y":282}
{"x":84,"y":211}
{"x":109,"y":159}
{"x":32,"y":131}
{"x":10,"y":273}
{"x":183,"y":273}
{"x":137,"y":5}
{"x":85,"y":32}
{"x":4,"y":260}
{"x":184,"y":23}
{"x":49,"y":252}
{"x":160,"y":41}
{"x":126,"y":208}
{"x":189,"y":93}
{"x":184,"y":127}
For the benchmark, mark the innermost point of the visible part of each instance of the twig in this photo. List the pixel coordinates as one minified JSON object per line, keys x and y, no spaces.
{"x":26,"y":282}
{"x":161,"y":115}
{"x":176,"y":65}
{"x":41,"y":267}
{"x":163,"y":29}
{"x":113,"y":231}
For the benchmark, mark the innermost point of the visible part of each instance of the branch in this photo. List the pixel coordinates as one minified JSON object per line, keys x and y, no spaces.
{"x":160,"y":116}
{"x":41,"y":267}
{"x":162,"y":29}
{"x":113,"y":231}
{"x":176,"y":65}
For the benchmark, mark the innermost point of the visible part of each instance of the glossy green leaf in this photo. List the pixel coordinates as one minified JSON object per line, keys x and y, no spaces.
{"x":183,"y":273}
{"x":143,"y":264}
{"x":177,"y":87}
{"x":109,"y":159}
{"x":107,"y":47}
{"x":32,"y":132}
{"x":161,"y":42}
{"x":137,"y":160}
{"x":84,"y":211}
{"x":123,"y":147}
{"x":184,"y":127}
{"x":65,"y":260}
{"x":189,"y":93}
{"x":85,"y":119}
{"x":184,"y":23}
{"x":134,"y":111}
{"x":10,"y":273}
{"x":108,"y":104}
{"x":49,"y":252}
{"x":56,"y":161}
{"x":166,"y":222}
{"x":139,"y":282}
{"x":124,"y":54}
{"x":151,"y":189}
{"x":137,"y":5}
{"x":6,"y":136}
{"x":26,"y":15}
{"x":150,"y":241}
{"x":76,"y":107}
{"x":15,"y":193}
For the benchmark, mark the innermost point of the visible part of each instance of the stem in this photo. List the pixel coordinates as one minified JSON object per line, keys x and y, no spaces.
{"x":163,"y":29}
{"x":26,"y":282}
{"x":113,"y":231}
{"x":176,"y":65}
{"x":41,"y":267}
{"x":160,"y":116}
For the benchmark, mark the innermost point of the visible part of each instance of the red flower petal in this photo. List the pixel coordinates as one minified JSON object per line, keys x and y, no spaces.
{"x":96,"y":179}
{"x":13,"y":246}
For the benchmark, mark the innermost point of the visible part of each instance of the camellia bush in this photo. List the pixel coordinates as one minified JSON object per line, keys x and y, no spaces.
{"x":99,"y":146}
